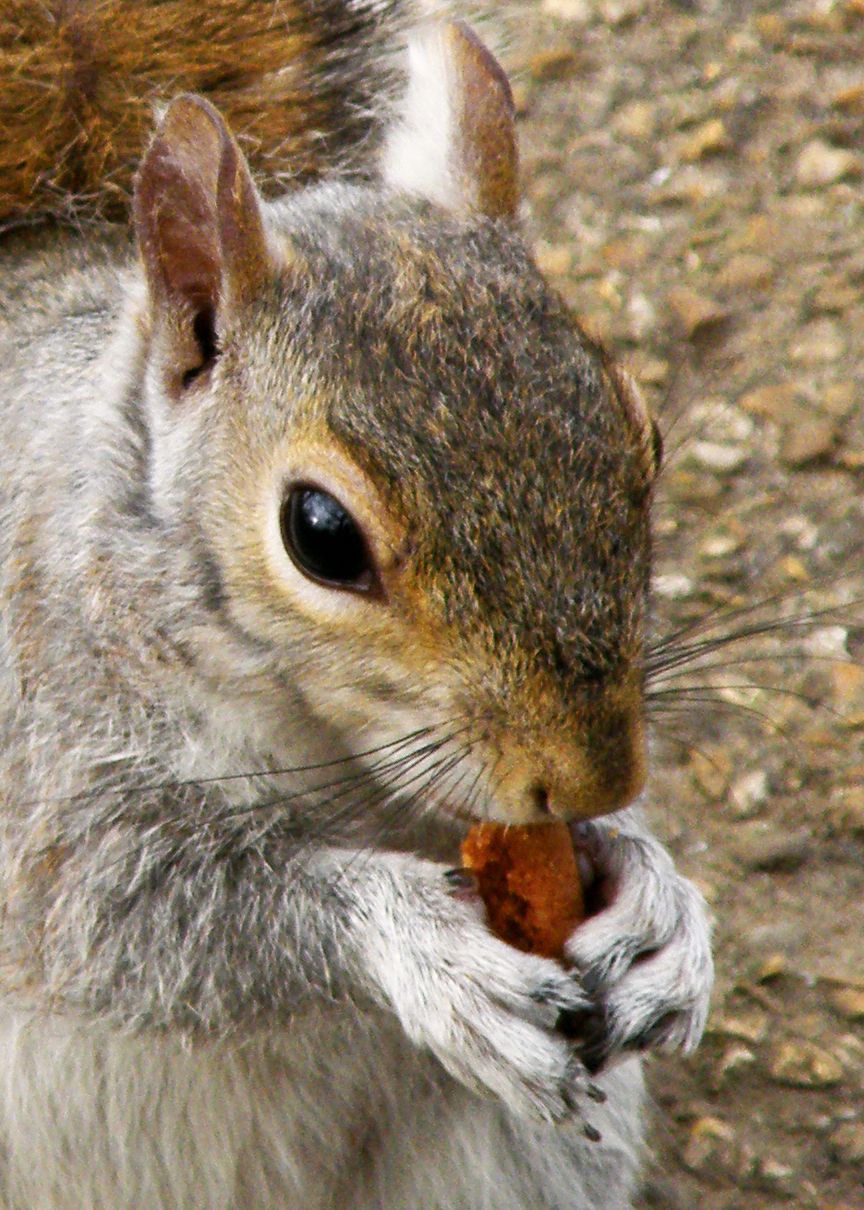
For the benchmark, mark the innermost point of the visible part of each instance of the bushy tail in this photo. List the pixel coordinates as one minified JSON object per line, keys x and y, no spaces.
{"x":299,"y":81}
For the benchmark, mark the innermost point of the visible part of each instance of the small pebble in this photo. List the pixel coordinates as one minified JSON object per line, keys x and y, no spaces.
{"x":847,"y":1143}
{"x":734,"y":1059}
{"x":747,"y":1027}
{"x":652,"y":371}
{"x":554,"y":259}
{"x":712,"y":1146}
{"x":774,"y":402}
{"x":801,"y":530}
{"x":690,"y":185}
{"x":720,"y":421}
{"x":837,"y":295}
{"x":708,"y":139}
{"x":819,"y":342}
{"x":847,"y":810}
{"x":827,"y":642}
{"x":720,"y":546}
{"x":771,"y":968}
{"x":847,"y":682}
{"x":772,"y":1176}
{"x":522,"y":97}
{"x":636,"y":121}
{"x":773,"y":850}
{"x":793,"y":569}
{"x":722,"y":459}
{"x":850,"y":99}
{"x":556,"y":63}
{"x":642,"y":316}
{"x":696,"y":314}
{"x":808,"y":442}
{"x":802,"y":1064}
{"x":673,"y":585}
{"x":849,"y":1002}
{"x":820,"y":164}
{"x":621,"y":12}
{"x":711,"y":771}
{"x":840,"y":398}
{"x":747,"y":271}
{"x":579,"y":12}
{"x":748,"y":792}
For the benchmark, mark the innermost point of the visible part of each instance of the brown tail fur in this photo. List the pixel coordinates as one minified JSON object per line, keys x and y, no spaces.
{"x":79,"y":80}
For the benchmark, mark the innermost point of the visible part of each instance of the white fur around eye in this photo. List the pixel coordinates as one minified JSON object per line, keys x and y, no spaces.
{"x":321,"y":465}
{"x":315,"y":601}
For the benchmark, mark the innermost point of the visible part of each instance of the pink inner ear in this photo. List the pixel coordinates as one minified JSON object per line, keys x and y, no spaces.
{"x":188,"y":251}
{"x":176,"y":206}
{"x":197,"y":214}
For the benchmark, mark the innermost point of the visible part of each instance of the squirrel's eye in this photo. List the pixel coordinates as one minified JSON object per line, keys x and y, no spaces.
{"x":324,"y":541}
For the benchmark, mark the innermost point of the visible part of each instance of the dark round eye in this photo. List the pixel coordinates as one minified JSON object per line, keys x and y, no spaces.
{"x":324,"y":541}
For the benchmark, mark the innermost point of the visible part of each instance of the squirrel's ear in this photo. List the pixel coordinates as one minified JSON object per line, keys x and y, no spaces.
{"x":455,"y":143}
{"x":197,"y":214}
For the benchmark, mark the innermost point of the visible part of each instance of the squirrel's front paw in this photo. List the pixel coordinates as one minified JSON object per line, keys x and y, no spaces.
{"x":487,"y":1011}
{"x":645,"y":957}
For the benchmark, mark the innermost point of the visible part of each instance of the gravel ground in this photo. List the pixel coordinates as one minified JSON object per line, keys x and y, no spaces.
{"x":693,"y":181}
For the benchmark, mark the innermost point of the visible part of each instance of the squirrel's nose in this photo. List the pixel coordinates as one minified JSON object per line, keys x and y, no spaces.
{"x":577,"y":777}
{"x":613,"y":774}
{"x":541,"y":797}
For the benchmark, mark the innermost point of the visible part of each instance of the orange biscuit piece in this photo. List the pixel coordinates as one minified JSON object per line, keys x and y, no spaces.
{"x":529,"y":881}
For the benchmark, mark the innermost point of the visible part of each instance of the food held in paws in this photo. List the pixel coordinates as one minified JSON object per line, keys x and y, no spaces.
{"x":529,"y":881}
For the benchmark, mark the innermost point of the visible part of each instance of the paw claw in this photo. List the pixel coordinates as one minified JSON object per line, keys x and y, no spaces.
{"x":644,"y":958}
{"x":462,"y":883}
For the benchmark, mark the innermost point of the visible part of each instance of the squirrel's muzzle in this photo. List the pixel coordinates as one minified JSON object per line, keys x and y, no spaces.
{"x":594,"y":765}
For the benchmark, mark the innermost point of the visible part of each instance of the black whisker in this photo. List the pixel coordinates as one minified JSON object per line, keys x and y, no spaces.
{"x":671,"y":657}
{"x":721,"y":705}
{"x":724,"y":616}
{"x":715,"y":692}
{"x":387,"y":825}
{"x":176,"y":784}
{"x":345,"y":786}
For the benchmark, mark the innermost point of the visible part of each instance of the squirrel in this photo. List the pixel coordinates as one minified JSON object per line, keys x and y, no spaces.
{"x":324,"y":531}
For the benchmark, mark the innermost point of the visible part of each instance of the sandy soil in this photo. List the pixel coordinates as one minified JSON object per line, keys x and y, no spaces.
{"x":694,"y":185}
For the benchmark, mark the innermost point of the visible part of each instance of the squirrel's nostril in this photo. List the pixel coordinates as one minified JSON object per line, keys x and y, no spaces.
{"x":540,"y":795}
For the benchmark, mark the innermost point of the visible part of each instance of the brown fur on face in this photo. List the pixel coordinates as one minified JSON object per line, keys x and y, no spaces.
{"x":434,"y":307}
{"x":523,"y":495}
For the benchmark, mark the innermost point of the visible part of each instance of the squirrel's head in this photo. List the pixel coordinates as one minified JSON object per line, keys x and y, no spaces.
{"x":421,"y":492}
